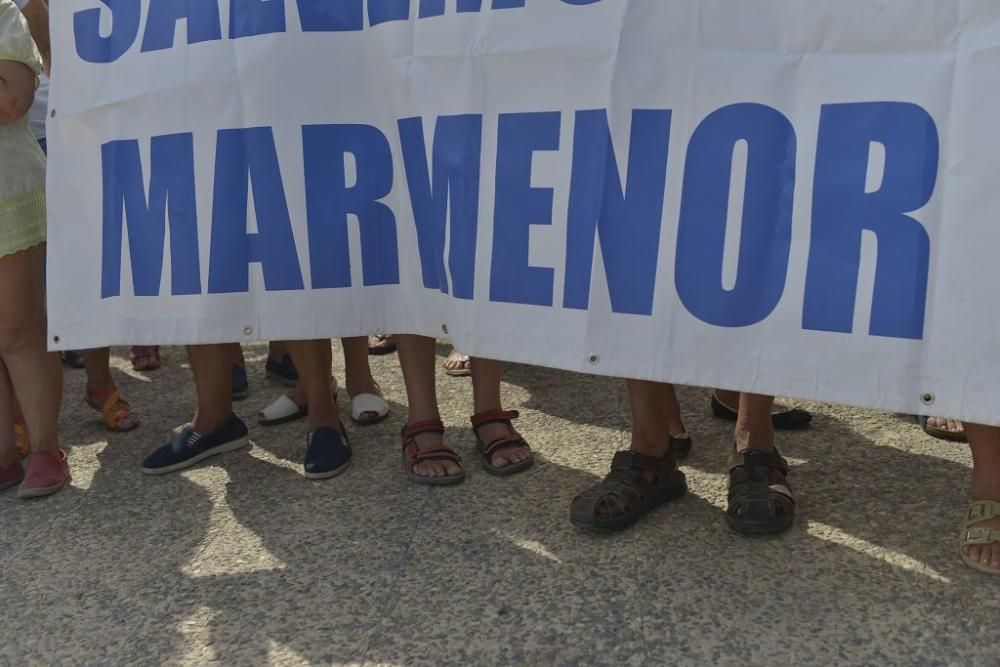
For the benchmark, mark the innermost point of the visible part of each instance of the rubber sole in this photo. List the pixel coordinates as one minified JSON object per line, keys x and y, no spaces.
{"x":44,"y":491}
{"x":327,"y":475}
{"x":283,"y":420}
{"x":230,"y":446}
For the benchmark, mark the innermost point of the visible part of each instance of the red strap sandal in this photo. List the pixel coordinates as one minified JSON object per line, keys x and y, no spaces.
{"x":512,"y":440}
{"x":412,"y":454}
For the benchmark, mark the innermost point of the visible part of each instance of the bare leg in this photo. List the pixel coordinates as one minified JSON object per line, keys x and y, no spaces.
{"x":314,"y":360}
{"x":8,"y":450}
{"x":212,"y":367}
{"x":358,"y":371}
{"x":985,"y":444}
{"x":486,"y":376}
{"x":35,"y":373}
{"x":416,"y":358}
{"x":277,"y":349}
{"x":100,"y":387}
{"x":651,"y":423}
{"x":754,"y":429}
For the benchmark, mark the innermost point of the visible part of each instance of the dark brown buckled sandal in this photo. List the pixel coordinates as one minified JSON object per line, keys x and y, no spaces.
{"x":625,"y":494}
{"x":760,"y":500}
{"x":412,"y":454}
{"x":510,"y":441}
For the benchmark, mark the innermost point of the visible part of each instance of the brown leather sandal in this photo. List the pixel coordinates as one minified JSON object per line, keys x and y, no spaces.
{"x":626,"y":494}
{"x":412,"y":454}
{"x":512,"y":440}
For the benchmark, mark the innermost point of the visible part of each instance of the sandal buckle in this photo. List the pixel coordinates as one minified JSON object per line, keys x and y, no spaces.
{"x":978,"y":536}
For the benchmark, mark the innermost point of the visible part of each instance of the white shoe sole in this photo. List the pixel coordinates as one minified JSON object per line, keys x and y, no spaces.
{"x":230,"y":446}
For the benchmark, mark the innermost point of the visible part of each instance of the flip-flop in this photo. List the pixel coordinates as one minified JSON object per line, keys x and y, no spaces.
{"x":363,"y":403}
{"x":940,"y":433}
{"x":459,"y":372}
{"x":281,"y":411}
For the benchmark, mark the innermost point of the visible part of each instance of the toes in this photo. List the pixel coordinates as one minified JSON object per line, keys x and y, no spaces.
{"x":994,"y":556}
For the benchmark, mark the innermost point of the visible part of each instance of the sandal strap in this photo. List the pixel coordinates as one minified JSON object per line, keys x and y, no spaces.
{"x":112,"y":416}
{"x":981,"y":510}
{"x":629,"y":461}
{"x":980,"y":536}
{"x":759,"y":458}
{"x":503,"y":443}
{"x":439,"y":454}
{"x":411,"y":431}
{"x":493,"y":417}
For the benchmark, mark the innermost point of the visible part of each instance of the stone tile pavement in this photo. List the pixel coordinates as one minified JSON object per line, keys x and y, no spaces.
{"x":242,"y":561}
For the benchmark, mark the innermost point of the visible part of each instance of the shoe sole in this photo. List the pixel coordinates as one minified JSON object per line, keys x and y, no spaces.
{"x":45,"y":491}
{"x":328,"y":475}
{"x":219,"y":449}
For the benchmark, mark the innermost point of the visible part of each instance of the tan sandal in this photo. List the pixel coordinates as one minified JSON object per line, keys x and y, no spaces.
{"x":113,"y":411}
{"x":412,"y":454}
{"x":972,"y":535}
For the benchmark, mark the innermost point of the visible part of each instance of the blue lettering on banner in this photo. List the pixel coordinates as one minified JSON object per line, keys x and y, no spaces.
{"x":171,"y":197}
{"x":766,"y":231}
{"x":842,"y":210}
{"x":329,"y":202}
{"x":249,"y":157}
{"x":331,"y":15}
{"x":247,"y":18}
{"x":518,"y":206}
{"x":626,"y":221}
{"x":453,"y":188}
{"x":202,"y":18}
{"x":615,"y":208}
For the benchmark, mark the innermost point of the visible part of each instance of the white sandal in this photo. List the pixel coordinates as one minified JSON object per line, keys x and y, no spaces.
{"x":280,"y":411}
{"x":363,"y":403}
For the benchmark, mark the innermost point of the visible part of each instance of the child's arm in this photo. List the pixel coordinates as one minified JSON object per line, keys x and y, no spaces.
{"x":17,"y":90}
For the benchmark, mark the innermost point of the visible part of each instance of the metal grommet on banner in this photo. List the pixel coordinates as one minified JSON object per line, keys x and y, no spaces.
{"x":52,"y":114}
{"x":55,"y":339}
{"x":928,"y":399}
{"x":594,"y":359}
{"x":247,"y":331}
{"x":444,"y":328}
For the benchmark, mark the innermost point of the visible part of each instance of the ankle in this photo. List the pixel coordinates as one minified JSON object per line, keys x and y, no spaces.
{"x":986,"y":490}
{"x":656,"y":448}
{"x":205,"y":424}
{"x":748,"y":439}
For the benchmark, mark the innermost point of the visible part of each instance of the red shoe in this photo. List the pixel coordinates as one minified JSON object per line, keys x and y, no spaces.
{"x":47,"y":474}
{"x":11,"y":475}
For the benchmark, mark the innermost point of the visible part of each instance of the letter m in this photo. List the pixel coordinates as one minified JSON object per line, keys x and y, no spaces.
{"x":171,"y":197}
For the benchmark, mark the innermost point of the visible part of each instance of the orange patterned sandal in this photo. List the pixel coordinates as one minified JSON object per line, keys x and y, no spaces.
{"x":116,"y":412}
{"x":21,"y":440}
{"x":413,"y":455}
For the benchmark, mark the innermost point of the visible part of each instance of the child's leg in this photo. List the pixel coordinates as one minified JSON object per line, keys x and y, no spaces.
{"x":8,"y":451}
{"x":985,"y":444}
{"x":35,"y":373}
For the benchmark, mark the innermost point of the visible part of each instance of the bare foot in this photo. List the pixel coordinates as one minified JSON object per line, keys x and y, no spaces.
{"x":457,"y":364}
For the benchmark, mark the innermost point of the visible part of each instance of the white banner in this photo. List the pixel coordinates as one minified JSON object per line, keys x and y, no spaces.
{"x":778,"y":196}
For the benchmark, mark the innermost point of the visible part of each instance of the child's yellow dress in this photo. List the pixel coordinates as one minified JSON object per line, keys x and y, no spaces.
{"x":22,"y":163}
